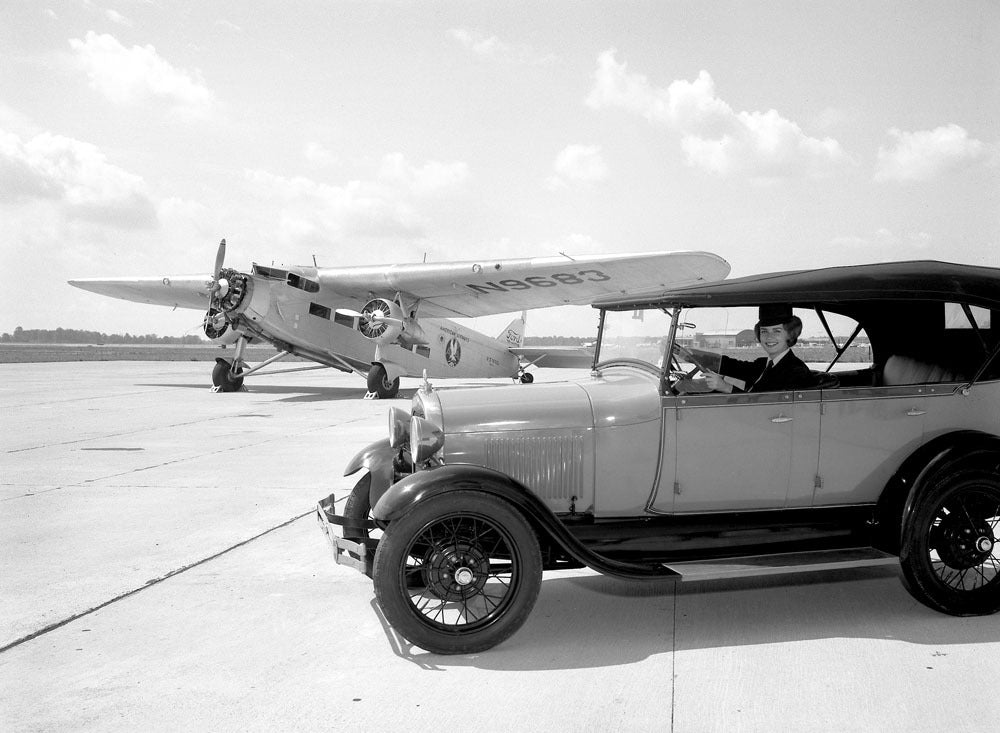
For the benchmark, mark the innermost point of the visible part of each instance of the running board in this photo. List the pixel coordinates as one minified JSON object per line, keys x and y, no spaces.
{"x":782,"y":563}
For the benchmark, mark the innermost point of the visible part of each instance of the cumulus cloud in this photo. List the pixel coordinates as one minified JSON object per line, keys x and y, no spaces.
{"x":74,"y":176}
{"x":578,"y":165}
{"x":491,"y":47}
{"x":927,"y":154}
{"x":318,"y":154}
{"x":116,"y":17}
{"x":386,"y":206}
{"x":139,"y":74}
{"x":713,"y":136}
{"x":431,"y":178}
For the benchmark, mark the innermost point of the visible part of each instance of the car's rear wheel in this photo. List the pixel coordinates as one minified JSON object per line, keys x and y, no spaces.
{"x":950,"y":555}
{"x":458,"y":573}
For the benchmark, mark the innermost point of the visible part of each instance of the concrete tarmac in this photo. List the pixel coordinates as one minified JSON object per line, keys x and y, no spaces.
{"x":161,"y":570}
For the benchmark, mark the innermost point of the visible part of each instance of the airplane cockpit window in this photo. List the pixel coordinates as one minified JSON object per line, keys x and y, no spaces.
{"x":271,"y":273}
{"x":302,"y":283}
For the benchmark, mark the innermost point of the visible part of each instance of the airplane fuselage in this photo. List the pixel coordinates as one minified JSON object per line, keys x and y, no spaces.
{"x":289,"y":310}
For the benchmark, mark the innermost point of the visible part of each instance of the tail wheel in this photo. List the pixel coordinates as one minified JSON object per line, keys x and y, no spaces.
{"x":380,"y":384}
{"x":222,"y":376}
{"x":458,"y":573}
{"x":950,"y":555}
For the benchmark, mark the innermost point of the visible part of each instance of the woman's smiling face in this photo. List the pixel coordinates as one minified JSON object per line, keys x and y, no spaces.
{"x":773,"y":339}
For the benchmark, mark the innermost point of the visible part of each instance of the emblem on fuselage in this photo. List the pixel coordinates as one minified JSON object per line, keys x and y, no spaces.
{"x":453,"y":352}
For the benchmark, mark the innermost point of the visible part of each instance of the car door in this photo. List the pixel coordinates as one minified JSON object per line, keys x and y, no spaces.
{"x":731,"y":452}
{"x":866,"y":434}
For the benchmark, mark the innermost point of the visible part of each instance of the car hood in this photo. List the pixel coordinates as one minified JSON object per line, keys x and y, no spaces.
{"x":513,"y":408}
{"x":611,"y":399}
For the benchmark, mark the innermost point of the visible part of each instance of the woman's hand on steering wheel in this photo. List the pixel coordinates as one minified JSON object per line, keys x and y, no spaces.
{"x":680,"y":351}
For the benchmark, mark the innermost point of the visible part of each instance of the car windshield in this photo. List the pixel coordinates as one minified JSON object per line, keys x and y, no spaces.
{"x":639,"y":334}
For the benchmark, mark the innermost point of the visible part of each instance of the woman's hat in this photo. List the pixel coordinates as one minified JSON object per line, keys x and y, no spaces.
{"x":774,"y":314}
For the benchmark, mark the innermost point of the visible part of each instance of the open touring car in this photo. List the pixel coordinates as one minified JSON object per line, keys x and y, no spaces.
{"x":891,"y":454}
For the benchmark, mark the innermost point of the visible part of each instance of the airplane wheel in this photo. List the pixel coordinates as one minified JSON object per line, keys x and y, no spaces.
{"x":222,"y":378}
{"x":527,"y":378}
{"x":378,"y":382}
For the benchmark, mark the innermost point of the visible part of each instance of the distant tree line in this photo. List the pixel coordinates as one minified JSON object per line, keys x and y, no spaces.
{"x":76,"y":336}
{"x":557,"y":340}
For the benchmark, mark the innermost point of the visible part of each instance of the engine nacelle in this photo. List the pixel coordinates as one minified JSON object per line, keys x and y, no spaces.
{"x":381,"y":320}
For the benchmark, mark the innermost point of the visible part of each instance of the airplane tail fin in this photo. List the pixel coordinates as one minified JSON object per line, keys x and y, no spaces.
{"x":513,"y":335}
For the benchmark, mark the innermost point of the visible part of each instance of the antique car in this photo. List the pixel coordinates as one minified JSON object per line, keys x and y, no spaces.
{"x":890,"y":455}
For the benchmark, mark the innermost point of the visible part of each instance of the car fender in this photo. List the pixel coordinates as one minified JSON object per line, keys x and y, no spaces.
{"x":947,"y":453}
{"x":423,"y":485}
{"x":378,"y":459}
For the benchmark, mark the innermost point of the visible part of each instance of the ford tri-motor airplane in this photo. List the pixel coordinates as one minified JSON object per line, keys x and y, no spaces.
{"x":389,"y":321}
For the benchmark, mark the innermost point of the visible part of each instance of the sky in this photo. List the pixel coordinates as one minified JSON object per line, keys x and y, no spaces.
{"x":787,"y":134}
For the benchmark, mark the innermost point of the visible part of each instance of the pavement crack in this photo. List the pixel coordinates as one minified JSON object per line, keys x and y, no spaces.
{"x":148,"y":584}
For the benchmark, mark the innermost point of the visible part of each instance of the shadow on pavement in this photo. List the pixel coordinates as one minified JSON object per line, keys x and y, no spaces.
{"x":596,"y":621}
{"x":311,"y":393}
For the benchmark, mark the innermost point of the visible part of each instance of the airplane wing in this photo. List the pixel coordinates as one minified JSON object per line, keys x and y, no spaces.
{"x":184,"y":291}
{"x":488,"y":287}
{"x":556,"y":357}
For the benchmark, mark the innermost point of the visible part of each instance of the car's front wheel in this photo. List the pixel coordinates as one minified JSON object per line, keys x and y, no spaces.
{"x":458,"y":573}
{"x":950,"y":555}
{"x":358,"y":515}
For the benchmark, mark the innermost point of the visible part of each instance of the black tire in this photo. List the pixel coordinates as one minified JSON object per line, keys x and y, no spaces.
{"x":527,"y":378}
{"x":358,"y":509}
{"x":458,"y":573}
{"x":950,"y":555}
{"x":223,"y":379}
{"x":379,"y":384}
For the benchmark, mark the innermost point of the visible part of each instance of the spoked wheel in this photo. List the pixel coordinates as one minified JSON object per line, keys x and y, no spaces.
{"x":223,"y":378}
{"x":380,"y":384}
{"x":950,"y":555}
{"x":459,"y":573}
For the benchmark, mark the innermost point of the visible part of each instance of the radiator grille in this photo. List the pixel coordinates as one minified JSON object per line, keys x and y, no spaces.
{"x":551,"y":466}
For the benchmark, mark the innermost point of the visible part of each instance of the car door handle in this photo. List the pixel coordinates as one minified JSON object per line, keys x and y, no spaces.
{"x":782,"y":418}
{"x":914,"y":412}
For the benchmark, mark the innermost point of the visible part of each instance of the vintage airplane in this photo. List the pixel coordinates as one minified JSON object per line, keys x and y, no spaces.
{"x":388,"y":321}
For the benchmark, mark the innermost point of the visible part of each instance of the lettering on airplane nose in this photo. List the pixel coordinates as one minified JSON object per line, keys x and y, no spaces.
{"x":536,"y":281}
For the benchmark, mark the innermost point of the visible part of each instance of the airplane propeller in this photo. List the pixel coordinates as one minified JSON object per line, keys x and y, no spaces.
{"x":214,"y":321}
{"x":375,"y":316}
{"x":378,"y":319}
{"x":220,"y":286}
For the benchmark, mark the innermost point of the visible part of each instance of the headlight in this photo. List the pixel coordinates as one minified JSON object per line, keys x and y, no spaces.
{"x":399,"y":427}
{"x":426,"y":439}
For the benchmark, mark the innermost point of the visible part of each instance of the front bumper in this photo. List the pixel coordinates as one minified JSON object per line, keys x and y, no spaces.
{"x":357,"y":554}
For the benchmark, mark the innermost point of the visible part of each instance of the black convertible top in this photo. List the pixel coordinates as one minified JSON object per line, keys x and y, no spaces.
{"x":918,"y":280}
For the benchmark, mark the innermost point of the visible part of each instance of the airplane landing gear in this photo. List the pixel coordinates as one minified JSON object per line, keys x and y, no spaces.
{"x":379,"y":385}
{"x":227,"y":376}
{"x":526,"y":377}
{"x":224,"y":378}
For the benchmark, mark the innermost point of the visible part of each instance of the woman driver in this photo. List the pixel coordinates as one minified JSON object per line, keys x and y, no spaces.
{"x":777,"y":330}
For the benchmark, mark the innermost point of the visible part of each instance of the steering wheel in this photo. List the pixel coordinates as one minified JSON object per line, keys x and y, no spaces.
{"x":683,"y":381}
{"x":675,"y":367}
